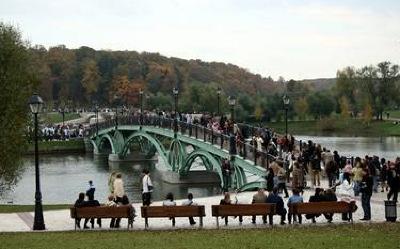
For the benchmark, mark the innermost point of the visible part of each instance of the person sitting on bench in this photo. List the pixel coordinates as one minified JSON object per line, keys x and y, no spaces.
{"x":274,"y":198}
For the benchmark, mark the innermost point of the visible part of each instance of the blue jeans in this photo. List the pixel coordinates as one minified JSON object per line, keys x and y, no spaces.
{"x":366,"y":205}
{"x":357,"y":188}
{"x":375,"y":183}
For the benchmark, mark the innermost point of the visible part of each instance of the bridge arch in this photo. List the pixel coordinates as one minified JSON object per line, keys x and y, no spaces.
{"x":103,"y":138}
{"x":203,"y":155}
{"x":157,"y":144}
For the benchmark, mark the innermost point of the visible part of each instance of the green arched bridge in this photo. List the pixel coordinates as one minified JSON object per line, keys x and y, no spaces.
{"x":179,"y":144}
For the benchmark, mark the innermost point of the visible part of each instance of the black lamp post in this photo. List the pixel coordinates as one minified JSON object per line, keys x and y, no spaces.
{"x":141,"y":105}
{"x":96,"y":109}
{"x":218,"y":100}
{"x":36,"y":104}
{"x":63,"y":114}
{"x":286,"y":102}
{"x":116,"y":99}
{"x":175,"y":91}
{"x":232,"y":103}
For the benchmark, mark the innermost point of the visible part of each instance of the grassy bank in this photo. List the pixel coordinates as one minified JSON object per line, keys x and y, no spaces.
{"x":56,"y":117}
{"x":315,"y":237}
{"x":338,"y":127}
{"x":50,"y":147}
{"x":30,"y":208}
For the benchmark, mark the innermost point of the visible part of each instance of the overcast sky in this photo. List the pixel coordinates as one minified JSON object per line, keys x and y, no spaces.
{"x":291,"y":38}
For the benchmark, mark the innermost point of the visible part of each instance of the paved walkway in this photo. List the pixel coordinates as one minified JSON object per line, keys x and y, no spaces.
{"x":60,"y":220}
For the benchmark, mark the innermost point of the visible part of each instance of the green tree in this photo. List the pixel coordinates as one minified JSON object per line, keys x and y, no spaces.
{"x":301,"y":108}
{"x":16,"y":81}
{"x":321,"y":104}
{"x":344,"y":107}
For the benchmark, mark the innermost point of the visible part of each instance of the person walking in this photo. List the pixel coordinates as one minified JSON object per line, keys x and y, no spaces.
{"x":147,"y":188}
{"x":393,"y":178}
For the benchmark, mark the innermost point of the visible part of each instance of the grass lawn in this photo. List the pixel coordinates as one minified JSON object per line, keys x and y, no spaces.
{"x":313,"y":237}
{"x":59,"y":146}
{"x":338,"y":127}
{"x":393,"y":114}
{"x":30,"y":208}
{"x":56,"y":117}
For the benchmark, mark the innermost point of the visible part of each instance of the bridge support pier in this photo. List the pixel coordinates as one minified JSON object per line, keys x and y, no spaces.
{"x":193,"y":177}
{"x":113,"y":158}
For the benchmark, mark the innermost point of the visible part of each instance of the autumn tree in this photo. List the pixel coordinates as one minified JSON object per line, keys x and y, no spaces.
{"x":126,"y":90}
{"x":90,"y":78}
{"x":367,"y":114}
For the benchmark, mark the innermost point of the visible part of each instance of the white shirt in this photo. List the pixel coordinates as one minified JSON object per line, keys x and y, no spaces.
{"x":169,"y":203}
{"x":189,"y":203}
{"x":146,"y":181}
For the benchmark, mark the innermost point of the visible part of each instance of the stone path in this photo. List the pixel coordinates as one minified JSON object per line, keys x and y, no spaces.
{"x":60,"y":220}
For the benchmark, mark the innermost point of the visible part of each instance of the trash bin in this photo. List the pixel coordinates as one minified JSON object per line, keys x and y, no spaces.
{"x":390,"y":211}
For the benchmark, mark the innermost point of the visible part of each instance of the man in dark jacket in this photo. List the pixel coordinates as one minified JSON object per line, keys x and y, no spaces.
{"x":274,"y":198}
{"x":366,"y":193}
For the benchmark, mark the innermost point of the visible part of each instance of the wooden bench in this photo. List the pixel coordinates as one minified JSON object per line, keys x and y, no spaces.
{"x":242,"y":210}
{"x":173,"y":212}
{"x":326,"y":207}
{"x":102,"y":212}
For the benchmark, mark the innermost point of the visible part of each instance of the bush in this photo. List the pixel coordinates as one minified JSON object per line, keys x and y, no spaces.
{"x":327,"y":124}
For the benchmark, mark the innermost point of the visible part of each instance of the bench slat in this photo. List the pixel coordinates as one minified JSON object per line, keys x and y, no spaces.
{"x":321,"y":207}
{"x":243,"y":209}
{"x":101,"y":212}
{"x":173,"y":211}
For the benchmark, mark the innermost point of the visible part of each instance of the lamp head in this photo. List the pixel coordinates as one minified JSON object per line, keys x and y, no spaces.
{"x":36,"y":103}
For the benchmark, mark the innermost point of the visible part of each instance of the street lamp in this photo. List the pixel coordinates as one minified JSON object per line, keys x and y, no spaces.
{"x":116,"y":99}
{"x":286,"y":102}
{"x":141,"y":105}
{"x":175,"y":91}
{"x":218,"y":100}
{"x":232,"y":103}
{"x":36,"y":104}
{"x":96,"y":109}
{"x":63,"y":114}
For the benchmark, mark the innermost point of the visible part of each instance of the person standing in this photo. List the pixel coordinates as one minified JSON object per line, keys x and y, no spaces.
{"x":118,"y":188}
{"x":147,"y":188}
{"x":226,"y":174}
{"x":366,"y":193}
{"x":295,"y":198}
{"x":90,"y":191}
{"x":393,"y":178}
{"x":111,"y":180}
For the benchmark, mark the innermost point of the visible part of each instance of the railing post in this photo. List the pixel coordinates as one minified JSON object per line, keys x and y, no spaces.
{"x":190,"y":130}
{"x":222,"y":141}
{"x":196,"y":131}
{"x":232,"y":145}
{"x":204,"y":133}
{"x":212,"y":136}
{"x":244,"y":150}
{"x":263,"y":159}
{"x":254,"y":152}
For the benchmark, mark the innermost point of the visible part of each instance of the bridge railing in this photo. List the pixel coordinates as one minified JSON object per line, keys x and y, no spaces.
{"x":245,"y":148}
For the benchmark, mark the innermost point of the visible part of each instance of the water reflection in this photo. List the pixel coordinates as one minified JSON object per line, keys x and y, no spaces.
{"x":64,"y":176}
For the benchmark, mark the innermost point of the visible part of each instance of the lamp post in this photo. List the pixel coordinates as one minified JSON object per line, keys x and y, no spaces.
{"x":141,"y":105}
{"x":232,"y":103}
{"x":218,"y":101}
{"x":96,"y":109}
{"x":63,"y":114}
{"x":116,"y":99}
{"x":286,"y":102}
{"x":36,"y":104}
{"x":175,"y":91}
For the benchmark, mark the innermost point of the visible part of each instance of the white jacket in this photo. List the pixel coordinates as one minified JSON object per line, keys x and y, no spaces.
{"x":118,"y":187}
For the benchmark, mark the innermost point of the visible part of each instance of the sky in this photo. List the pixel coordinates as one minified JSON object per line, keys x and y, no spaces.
{"x":296,"y":39}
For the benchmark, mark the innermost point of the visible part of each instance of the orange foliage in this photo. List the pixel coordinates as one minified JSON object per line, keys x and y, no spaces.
{"x":127,"y":90}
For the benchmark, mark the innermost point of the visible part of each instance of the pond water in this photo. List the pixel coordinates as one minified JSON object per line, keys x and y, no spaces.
{"x":387,"y":147}
{"x":64,"y":176}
